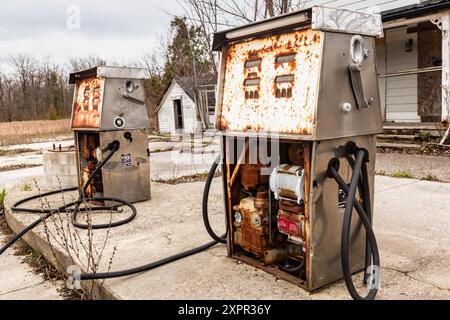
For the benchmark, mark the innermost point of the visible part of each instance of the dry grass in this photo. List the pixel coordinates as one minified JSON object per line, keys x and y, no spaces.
{"x":187,"y":179}
{"x":18,"y":166}
{"x":32,"y":131}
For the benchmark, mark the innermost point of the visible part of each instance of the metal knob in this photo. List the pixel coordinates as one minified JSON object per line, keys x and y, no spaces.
{"x":347,"y":107}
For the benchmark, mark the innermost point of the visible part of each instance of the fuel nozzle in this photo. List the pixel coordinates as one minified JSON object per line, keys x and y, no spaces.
{"x":114,"y":146}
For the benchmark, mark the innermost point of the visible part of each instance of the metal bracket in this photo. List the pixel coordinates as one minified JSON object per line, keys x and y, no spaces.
{"x":133,"y":99}
{"x":357,"y":86}
{"x":439,"y":22}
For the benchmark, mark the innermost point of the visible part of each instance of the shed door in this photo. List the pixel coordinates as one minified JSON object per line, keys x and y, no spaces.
{"x":429,"y":84}
{"x":178,"y":112}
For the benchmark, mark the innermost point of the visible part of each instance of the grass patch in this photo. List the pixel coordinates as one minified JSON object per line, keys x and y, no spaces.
{"x":18,"y":166}
{"x":402,"y":174}
{"x":14,"y":152}
{"x":187,"y":179}
{"x":2,"y":197}
{"x":158,"y":150}
{"x":26,"y":187}
{"x":430,"y":177}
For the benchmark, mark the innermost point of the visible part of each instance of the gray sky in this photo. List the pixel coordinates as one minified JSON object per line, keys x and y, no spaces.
{"x":118,"y":30}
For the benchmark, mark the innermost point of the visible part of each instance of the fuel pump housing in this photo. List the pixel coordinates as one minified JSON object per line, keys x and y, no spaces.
{"x":109,"y":105}
{"x":294,"y":92}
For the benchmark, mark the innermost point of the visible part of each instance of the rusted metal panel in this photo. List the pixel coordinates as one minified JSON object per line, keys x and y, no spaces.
{"x":271,"y":84}
{"x":88,"y":103}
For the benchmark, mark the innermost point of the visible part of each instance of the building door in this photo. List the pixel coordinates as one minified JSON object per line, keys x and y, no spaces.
{"x":178,"y":112}
{"x":429,"y":39}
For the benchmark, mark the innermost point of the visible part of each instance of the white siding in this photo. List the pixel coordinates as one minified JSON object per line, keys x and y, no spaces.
{"x":401,"y":92}
{"x":360,"y":5}
{"x":166,"y":114}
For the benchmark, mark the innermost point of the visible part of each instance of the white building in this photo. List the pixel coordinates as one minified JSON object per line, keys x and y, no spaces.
{"x":413,"y":57}
{"x":178,"y":110}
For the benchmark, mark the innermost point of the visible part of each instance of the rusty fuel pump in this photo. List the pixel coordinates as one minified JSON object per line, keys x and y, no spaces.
{"x":298,"y":111}
{"x":109,"y":105}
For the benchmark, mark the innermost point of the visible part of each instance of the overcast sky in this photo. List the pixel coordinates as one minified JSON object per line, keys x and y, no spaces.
{"x":118,"y":30}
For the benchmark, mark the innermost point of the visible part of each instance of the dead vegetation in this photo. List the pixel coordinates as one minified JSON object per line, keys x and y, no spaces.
{"x":23,"y":132}
{"x":85,"y":248}
{"x":432,"y":149}
{"x":15,"y":152}
{"x":187,"y":179}
{"x":35,"y":260}
{"x":18,"y":166}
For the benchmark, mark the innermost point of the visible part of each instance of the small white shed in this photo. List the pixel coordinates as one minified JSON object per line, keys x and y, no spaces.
{"x":177,"y":109}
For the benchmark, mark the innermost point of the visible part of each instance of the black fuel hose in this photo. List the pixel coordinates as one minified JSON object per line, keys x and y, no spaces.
{"x":360,"y":163}
{"x":219,"y":239}
{"x":76,"y":209}
{"x":47,"y":213}
{"x":179,"y":256}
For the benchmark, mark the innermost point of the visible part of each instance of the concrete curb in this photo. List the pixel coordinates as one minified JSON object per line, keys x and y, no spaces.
{"x":99,"y":290}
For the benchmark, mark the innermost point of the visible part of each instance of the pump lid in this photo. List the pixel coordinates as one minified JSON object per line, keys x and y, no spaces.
{"x":316,"y":18}
{"x":109,"y":72}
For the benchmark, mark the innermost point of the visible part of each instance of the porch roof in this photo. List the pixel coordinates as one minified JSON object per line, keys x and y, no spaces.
{"x":416,"y":10}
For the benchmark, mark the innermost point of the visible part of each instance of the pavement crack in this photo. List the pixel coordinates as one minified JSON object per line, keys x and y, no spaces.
{"x":21,"y":289}
{"x":397,"y":187}
{"x":407,"y":274}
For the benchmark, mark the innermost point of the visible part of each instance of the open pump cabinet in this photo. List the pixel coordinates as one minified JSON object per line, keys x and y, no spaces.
{"x":296,"y":93}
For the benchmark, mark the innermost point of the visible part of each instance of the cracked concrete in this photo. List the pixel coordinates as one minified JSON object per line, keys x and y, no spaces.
{"x":19,"y":281}
{"x":411,"y":223}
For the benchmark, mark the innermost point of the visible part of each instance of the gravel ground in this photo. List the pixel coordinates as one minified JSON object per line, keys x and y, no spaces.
{"x":419,"y":166}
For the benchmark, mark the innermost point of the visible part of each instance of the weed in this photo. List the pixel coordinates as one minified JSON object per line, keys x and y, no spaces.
{"x":402,"y":174}
{"x":26,"y":187}
{"x":430,"y":177}
{"x":2,"y":197}
{"x":187,"y":179}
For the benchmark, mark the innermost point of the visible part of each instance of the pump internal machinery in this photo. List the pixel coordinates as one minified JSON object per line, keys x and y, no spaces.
{"x":298,"y":112}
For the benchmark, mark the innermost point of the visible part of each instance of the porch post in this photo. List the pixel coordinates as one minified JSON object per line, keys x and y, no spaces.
{"x":445,"y":28}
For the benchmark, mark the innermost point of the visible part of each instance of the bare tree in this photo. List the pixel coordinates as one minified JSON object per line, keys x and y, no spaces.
{"x":33,"y":89}
{"x":87,"y":62}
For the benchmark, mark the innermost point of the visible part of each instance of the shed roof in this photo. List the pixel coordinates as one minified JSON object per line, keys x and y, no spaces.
{"x":187,"y":84}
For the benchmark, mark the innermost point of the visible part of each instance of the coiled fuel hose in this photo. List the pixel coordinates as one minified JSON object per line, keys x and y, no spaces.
{"x":75,"y":208}
{"x":359,"y":168}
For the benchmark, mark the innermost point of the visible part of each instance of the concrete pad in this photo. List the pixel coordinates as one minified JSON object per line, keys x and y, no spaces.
{"x":411,"y":224}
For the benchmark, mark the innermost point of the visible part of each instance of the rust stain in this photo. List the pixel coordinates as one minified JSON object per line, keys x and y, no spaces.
{"x":281,"y":106}
{"x":88,"y":103}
